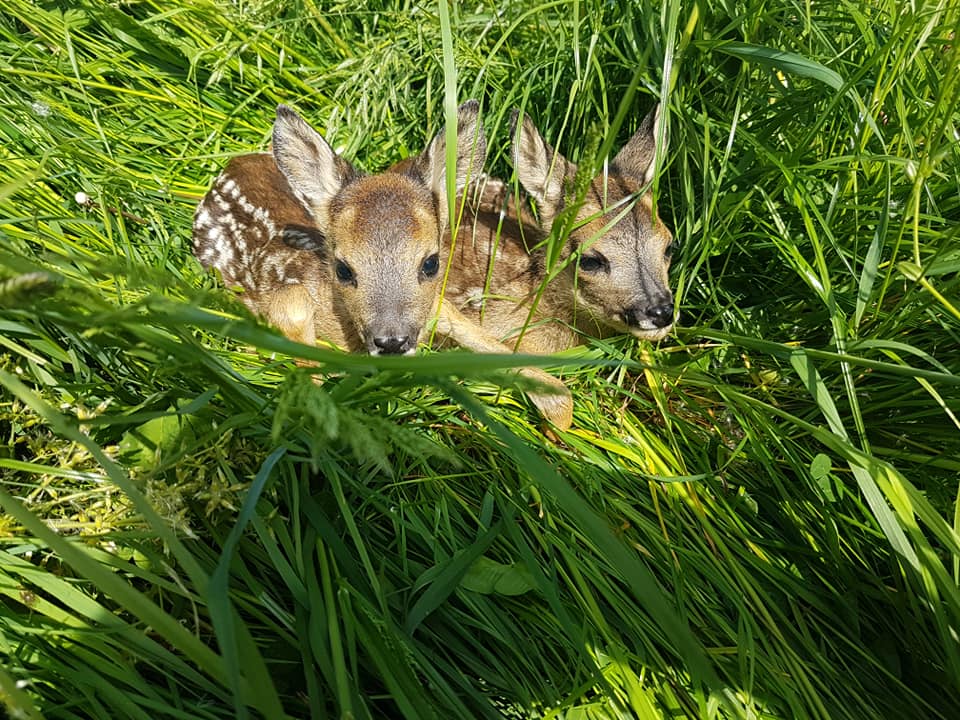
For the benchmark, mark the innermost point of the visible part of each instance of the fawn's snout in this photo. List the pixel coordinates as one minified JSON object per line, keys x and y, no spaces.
{"x":650,"y":317}
{"x":392,"y":345}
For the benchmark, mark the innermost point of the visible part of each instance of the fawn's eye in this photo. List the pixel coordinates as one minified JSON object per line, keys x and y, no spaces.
{"x":344,"y":273}
{"x":430,"y":266}
{"x":669,"y":250}
{"x":592,"y":263}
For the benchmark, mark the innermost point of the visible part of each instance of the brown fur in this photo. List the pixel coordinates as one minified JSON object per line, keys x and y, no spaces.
{"x":615,"y":226}
{"x":357,"y":244}
{"x":325,"y":252}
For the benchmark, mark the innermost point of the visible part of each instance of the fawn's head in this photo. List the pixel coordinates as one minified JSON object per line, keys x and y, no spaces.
{"x":383,"y":231}
{"x":621,"y":248}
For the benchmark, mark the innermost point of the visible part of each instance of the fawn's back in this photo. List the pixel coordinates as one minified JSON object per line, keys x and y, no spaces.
{"x":251,"y":227}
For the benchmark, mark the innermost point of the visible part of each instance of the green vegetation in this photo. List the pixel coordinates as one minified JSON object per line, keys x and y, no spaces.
{"x":759,"y":517}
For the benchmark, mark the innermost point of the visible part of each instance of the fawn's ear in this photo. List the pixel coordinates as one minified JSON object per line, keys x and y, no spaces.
{"x":431,"y":164}
{"x":315,"y":172}
{"x":636,"y":158}
{"x":542,"y":171}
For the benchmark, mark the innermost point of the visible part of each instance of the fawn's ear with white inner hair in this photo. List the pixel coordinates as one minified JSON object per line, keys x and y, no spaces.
{"x":431,"y":164}
{"x":636,"y":158}
{"x":315,"y":172}
{"x":541,"y":170}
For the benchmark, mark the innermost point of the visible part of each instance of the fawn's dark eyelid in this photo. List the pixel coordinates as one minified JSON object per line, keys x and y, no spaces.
{"x":592,"y":263}
{"x":343,"y":271}
{"x":431,"y":265}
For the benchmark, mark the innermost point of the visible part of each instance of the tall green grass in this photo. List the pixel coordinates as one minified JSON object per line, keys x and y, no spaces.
{"x":757,"y":518}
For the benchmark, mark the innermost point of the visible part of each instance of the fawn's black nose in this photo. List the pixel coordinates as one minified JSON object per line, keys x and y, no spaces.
{"x":392,"y":345}
{"x":661,"y":315}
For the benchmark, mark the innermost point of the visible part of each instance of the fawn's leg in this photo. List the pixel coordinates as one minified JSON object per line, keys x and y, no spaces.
{"x":555,"y":406}
{"x":292,"y":310}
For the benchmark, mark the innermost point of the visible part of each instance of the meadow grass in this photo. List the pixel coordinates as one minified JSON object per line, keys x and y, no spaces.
{"x":757,"y":517}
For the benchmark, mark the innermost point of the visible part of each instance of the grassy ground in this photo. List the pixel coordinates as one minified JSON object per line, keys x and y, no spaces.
{"x":759,"y":517}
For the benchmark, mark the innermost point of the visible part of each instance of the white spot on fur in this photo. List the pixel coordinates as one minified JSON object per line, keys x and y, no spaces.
{"x":301,"y":240}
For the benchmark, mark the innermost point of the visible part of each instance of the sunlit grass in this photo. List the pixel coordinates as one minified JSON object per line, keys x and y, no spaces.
{"x":759,"y":517}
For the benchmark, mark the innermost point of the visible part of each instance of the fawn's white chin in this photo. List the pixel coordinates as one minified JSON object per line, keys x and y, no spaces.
{"x":377,"y":351}
{"x":651,"y":334}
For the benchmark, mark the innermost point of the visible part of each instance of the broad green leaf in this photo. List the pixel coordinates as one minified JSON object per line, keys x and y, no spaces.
{"x":491,"y":577}
{"x":789,"y":62}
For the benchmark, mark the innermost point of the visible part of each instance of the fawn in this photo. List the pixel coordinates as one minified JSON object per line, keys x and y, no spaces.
{"x":323,"y":251}
{"x":613,"y":275}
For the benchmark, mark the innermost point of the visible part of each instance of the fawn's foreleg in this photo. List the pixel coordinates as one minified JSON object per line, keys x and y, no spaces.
{"x":555,"y":405}
{"x":292,"y":310}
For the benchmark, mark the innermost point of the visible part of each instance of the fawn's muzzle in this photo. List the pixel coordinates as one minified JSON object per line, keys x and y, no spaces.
{"x":391,"y":345}
{"x":659,"y":314}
